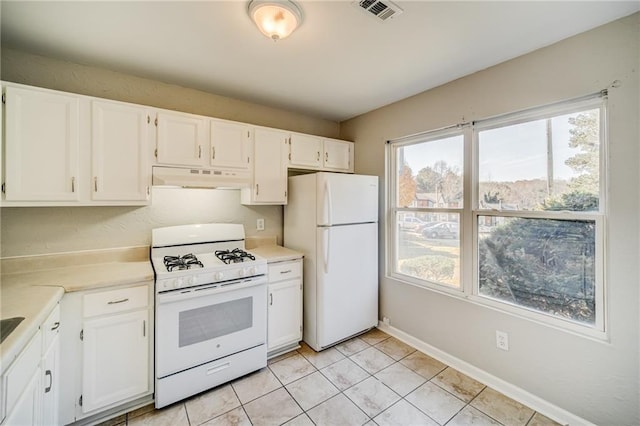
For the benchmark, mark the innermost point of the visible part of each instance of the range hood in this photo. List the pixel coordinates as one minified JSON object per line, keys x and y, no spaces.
{"x":193,"y":177}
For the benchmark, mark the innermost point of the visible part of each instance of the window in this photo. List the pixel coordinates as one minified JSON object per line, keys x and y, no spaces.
{"x":428,"y":208}
{"x":515,"y":221}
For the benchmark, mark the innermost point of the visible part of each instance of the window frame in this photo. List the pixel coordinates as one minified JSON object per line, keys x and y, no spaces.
{"x":469,"y":213}
{"x":392,"y":208}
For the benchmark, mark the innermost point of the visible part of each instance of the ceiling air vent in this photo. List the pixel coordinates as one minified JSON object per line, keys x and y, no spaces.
{"x":383,"y":10}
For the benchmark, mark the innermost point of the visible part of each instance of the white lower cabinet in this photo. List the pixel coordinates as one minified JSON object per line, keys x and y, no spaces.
{"x":50,"y":372}
{"x":116,"y":347}
{"x":116,"y":359}
{"x":108,"y":361}
{"x":31,"y":381}
{"x":51,"y":384}
{"x":26,"y":411}
{"x":284,"y":323}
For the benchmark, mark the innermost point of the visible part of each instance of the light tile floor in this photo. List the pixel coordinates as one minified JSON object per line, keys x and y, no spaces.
{"x":373,"y":379}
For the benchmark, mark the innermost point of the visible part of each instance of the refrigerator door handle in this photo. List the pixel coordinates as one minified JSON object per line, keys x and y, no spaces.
{"x":326,"y":214}
{"x":326,"y":241}
{"x":329,"y":205}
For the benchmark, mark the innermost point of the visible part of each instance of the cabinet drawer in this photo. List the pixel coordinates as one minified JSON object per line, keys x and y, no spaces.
{"x":108,"y":302}
{"x":284,"y":270}
{"x":50,"y":328}
{"x":21,"y":371}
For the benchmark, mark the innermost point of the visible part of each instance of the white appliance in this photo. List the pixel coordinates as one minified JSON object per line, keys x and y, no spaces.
{"x":194,"y":177}
{"x":333,"y":219}
{"x":211,"y":309}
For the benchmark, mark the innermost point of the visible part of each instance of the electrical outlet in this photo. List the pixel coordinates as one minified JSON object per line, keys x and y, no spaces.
{"x":386,"y":321}
{"x":502,"y":340}
{"x":260,"y":224}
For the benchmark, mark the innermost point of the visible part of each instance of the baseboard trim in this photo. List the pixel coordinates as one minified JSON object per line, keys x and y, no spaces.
{"x":536,"y":403}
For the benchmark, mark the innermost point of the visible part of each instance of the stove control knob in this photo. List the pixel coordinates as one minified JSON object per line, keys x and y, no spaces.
{"x":251,"y":270}
{"x":218,"y":276}
{"x":179,"y":282}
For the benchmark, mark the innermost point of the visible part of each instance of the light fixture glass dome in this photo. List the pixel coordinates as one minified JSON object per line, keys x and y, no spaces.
{"x":275,"y":19}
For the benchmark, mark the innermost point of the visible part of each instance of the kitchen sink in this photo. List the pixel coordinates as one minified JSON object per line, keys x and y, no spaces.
{"x":8,"y":325}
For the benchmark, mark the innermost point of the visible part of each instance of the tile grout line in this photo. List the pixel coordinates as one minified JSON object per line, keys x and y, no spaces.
{"x":347,"y":355}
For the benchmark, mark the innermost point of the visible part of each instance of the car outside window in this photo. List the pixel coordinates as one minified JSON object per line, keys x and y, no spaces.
{"x":507,"y":212}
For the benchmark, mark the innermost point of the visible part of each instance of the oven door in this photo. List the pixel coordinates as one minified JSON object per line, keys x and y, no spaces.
{"x":195,"y":326}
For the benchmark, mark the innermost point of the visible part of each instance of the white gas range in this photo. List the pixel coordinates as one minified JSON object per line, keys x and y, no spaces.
{"x":211,"y":308}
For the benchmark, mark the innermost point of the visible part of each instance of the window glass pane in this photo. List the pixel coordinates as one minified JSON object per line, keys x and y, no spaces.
{"x":429,"y":174}
{"x":543,"y":264}
{"x":547,"y":164}
{"x":428,"y":247}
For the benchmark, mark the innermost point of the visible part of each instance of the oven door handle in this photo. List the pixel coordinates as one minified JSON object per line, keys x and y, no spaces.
{"x":190,"y":293}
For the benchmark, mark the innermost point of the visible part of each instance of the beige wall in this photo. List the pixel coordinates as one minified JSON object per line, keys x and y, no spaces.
{"x":25,"y":68}
{"x":28,"y":231}
{"x":597,"y":380}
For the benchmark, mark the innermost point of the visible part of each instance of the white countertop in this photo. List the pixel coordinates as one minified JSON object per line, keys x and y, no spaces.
{"x":31,"y":286}
{"x":274,"y":253}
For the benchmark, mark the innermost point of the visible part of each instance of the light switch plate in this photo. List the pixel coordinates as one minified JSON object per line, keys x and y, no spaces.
{"x":260,"y":224}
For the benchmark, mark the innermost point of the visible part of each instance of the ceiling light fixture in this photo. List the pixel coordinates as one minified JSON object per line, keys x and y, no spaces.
{"x":276,"y":19}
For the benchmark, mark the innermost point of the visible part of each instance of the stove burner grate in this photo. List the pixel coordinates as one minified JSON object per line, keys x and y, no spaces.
{"x":234,"y":256}
{"x":187,"y":261}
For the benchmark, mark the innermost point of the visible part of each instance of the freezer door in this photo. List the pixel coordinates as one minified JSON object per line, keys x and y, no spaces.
{"x":347,"y":281}
{"x":344,"y":198}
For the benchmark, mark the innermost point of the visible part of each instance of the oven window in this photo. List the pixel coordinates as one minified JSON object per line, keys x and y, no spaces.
{"x":213,"y":321}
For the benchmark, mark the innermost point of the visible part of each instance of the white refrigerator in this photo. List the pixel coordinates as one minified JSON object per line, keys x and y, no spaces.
{"x":332,"y":219}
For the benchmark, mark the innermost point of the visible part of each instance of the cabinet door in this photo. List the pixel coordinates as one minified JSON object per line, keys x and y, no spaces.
{"x":42,"y":137}
{"x":119,"y":152}
{"x":230,"y":145}
{"x":27,"y":409}
{"x":338,"y":155}
{"x":50,"y":383}
{"x":305,"y":151}
{"x":269,"y":172}
{"x":285,"y":314}
{"x":181,"y":139}
{"x":116,"y":356}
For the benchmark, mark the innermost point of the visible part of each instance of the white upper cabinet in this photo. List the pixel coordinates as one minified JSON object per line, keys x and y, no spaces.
{"x":338,"y":155}
{"x":181,"y":139}
{"x":120,"y":135}
{"x":316,"y":153}
{"x":230,"y":145}
{"x":63,"y":149}
{"x":42,"y":140}
{"x":305,"y":151}
{"x":269,"y":168}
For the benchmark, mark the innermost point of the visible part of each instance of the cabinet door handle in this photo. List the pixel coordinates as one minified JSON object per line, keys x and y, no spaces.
{"x":270,"y":299}
{"x":213,"y":152}
{"x":326,"y":156}
{"x":318,"y":157}
{"x":257,"y":188}
{"x":56,"y":326}
{"x":48,"y":388}
{"x":95,"y":184}
{"x":73,"y":184}
{"x":144,"y":328}
{"x":288,"y":271}
{"x":199,"y":151}
{"x":113,"y":302}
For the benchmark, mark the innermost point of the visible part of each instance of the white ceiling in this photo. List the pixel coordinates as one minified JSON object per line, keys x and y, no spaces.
{"x":340,"y":63}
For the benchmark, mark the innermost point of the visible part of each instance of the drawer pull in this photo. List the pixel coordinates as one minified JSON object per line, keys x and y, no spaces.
{"x":218,"y":368}
{"x":48,"y":388}
{"x":113,"y":302}
{"x":56,"y":326}
{"x":288,"y":271}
